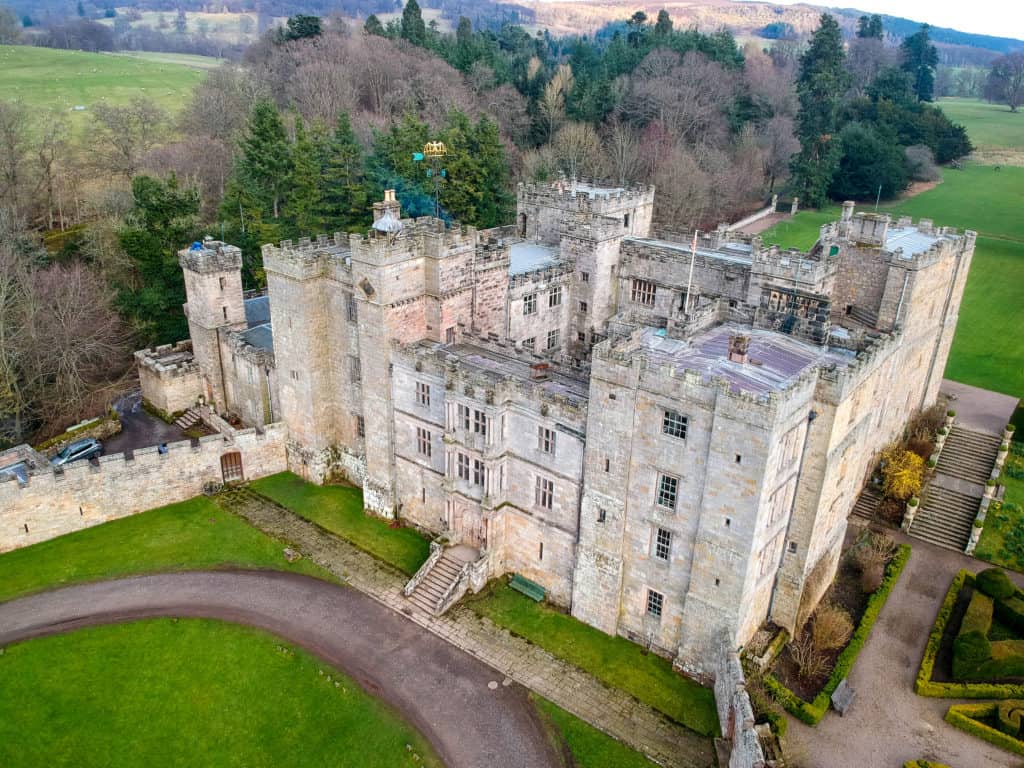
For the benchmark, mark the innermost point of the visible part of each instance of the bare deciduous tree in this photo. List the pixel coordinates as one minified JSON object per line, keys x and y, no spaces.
{"x":121,"y":136}
{"x":552,"y":102}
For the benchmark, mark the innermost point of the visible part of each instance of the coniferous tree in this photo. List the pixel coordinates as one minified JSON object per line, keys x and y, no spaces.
{"x":373,"y":26}
{"x":870,"y":26}
{"x":264,"y":162}
{"x":820,"y":85}
{"x":304,"y":183}
{"x":663,"y":26}
{"x":343,"y":198}
{"x":413,"y":28}
{"x":919,"y":60}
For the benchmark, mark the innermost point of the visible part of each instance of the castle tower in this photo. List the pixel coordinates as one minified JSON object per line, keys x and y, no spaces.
{"x":213,"y":288}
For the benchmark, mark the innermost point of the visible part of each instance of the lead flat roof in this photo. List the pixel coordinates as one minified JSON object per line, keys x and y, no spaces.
{"x":502,"y":366}
{"x":530,"y":256}
{"x":730,"y":252}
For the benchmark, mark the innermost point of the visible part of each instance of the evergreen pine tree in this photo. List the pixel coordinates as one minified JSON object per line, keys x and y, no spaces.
{"x":663,"y":26}
{"x":413,"y":28}
{"x":919,"y":61}
{"x":343,"y":198}
{"x":820,"y":85}
{"x":870,"y":26}
{"x":373,"y":26}
{"x":264,"y":162}
{"x":304,"y":201}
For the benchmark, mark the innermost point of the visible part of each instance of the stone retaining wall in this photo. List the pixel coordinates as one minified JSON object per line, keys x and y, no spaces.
{"x":86,"y":494}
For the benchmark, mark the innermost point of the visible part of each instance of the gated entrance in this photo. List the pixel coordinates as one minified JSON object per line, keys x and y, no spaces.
{"x":231,"y":467}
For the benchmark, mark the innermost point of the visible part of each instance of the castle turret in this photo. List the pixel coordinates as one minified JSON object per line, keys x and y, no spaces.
{"x":213,"y":287}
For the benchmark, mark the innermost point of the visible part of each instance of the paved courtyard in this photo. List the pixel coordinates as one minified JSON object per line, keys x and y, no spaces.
{"x":890,"y":724}
{"x":979,"y":409}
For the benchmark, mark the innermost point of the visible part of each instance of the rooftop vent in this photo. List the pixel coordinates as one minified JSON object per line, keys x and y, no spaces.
{"x":738,"y":348}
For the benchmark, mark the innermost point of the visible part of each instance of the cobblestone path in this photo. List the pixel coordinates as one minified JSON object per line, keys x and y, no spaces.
{"x":610,"y":710}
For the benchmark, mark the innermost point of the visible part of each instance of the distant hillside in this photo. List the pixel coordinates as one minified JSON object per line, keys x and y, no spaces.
{"x":900,"y":27}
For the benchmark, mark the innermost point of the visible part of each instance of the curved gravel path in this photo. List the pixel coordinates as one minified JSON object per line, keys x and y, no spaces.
{"x":449,"y":696}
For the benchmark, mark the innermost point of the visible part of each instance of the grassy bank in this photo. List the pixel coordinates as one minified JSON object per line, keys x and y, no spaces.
{"x":189,"y":692}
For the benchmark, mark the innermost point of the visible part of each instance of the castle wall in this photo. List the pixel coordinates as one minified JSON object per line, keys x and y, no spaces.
{"x":85,"y":495}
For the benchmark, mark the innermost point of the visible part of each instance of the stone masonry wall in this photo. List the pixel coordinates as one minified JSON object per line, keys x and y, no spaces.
{"x":84,"y":495}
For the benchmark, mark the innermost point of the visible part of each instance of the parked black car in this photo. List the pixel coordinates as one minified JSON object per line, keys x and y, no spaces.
{"x":89,"y":448}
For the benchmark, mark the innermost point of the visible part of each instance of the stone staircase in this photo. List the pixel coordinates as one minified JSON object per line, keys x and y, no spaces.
{"x":946,"y":518}
{"x":433,"y":587}
{"x":968,"y":455}
{"x":863,"y":511}
{"x":188,"y":419}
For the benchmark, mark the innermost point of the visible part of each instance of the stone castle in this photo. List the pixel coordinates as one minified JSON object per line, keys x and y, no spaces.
{"x":665,"y":430}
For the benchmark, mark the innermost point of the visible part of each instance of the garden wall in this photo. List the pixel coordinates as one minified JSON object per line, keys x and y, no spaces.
{"x":85,"y":494}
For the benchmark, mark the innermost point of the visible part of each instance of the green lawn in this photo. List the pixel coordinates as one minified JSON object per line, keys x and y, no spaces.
{"x":192,"y":534}
{"x":988,"y":125}
{"x":50,"y":79}
{"x":589,"y":747}
{"x":614,"y":660}
{"x":988,"y":350}
{"x":1002,"y":540}
{"x":185,"y":693}
{"x":339,"y":509}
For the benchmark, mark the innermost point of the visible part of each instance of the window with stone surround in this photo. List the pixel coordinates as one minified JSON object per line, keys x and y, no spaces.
{"x":360,"y":426}
{"x":423,"y":393}
{"x":583,"y":307}
{"x":655,"y":603}
{"x":351,"y":313}
{"x":530,"y":304}
{"x":546,"y":440}
{"x":463,"y":466}
{"x":355,"y":370}
{"x":643,"y":292}
{"x":480,"y":423}
{"x":530,"y":343}
{"x":544,"y":493}
{"x":585,"y":277}
{"x":662,"y":544}
{"x":668,"y":488}
{"x":449,"y":335}
{"x":478,"y":472}
{"x":555,"y":296}
{"x":423,"y":444}
{"x":674,"y":424}
{"x":463,"y":416}
{"x":552,"y":340}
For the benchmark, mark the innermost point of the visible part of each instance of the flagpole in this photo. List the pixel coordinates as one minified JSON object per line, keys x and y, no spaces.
{"x":689,"y":279}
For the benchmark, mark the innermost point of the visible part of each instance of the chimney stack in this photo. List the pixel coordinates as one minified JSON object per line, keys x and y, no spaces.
{"x":390,"y":205}
{"x":738,"y":348}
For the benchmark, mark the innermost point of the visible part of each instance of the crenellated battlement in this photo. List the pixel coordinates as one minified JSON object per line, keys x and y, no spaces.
{"x":168,"y":361}
{"x":210,"y":256}
{"x":588,"y":195}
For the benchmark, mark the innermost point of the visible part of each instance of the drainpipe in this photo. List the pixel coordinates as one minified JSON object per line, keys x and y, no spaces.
{"x":811,"y":416}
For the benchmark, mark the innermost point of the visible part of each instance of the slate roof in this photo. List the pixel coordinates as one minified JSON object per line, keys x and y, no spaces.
{"x":257,"y":310}
{"x":259,"y":336}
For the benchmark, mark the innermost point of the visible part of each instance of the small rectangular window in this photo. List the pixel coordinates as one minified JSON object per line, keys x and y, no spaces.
{"x":552,"y":340}
{"x":602,"y":515}
{"x":581,"y":337}
{"x":224,"y":310}
{"x":360,"y":426}
{"x":351,"y":313}
{"x":423,"y":443}
{"x":478,"y":472}
{"x":463,"y":418}
{"x":530,"y":343}
{"x":643,"y":292}
{"x":545,"y":440}
{"x":585,"y":276}
{"x":355,"y":370}
{"x":668,"y":487}
{"x":530,"y":304}
{"x":792,"y":547}
{"x":655,"y":603}
{"x":625,"y":221}
{"x":222,"y":283}
{"x":422,"y":393}
{"x":674,"y":425}
{"x":540,"y":551}
{"x":544,"y":493}
{"x":607,"y":465}
{"x":555,"y":296}
{"x":463,"y":466}
{"x":662,"y":544}
{"x":583,"y":307}
{"x":449,"y":335}
{"x":480,"y":422}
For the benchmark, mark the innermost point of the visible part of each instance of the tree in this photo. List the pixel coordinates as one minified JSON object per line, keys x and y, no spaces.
{"x":122,"y":135}
{"x":163,"y":217}
{"x":343,"y":199}
{"x":663,"y":26}
{"x":373,"y":26}
{"x":577,"y":150}
{"x":870,"y":26}
{"x":551,"y":106}
{"x":871,"y":164}
{"x":304,"y":199}
{"x":1005,"y":81}
{"x":10,"y":32}
{"x":264,"y":163}
{"x":892,"y":84}
{"x":919,"y":60}
{"x":637,"y":29}
{"x":413,"y":28}
{"x":302,"y":26}
{"x":820,"y":85}
{"x":181,"y":22}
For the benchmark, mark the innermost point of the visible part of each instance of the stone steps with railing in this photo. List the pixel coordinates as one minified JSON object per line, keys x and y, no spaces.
{"x":444,"y":578}
{"x":946,"y":518}
{"x":968,"y":455}
{"x":188,"y":419}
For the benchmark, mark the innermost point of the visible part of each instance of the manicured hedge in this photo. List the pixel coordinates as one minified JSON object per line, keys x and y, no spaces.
{"x":978,"y":617}
{"x":965,"y":717}
{"x":925,"y":686}
{"x":812,"y":712}
{"x":1011,"y":613}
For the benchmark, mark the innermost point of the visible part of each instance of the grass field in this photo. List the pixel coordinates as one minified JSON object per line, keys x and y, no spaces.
{"x":48,"y":79}
{"x":990,"y":126}
{"x":339,"y":509}
{"x":614,"y":660}
{"x":192,"y":534}
{"x":190,"y":692}
{"x":988,"y":350}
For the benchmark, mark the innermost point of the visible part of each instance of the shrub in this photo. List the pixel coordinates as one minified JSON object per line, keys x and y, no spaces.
{"x":1004,"y":446}
{"x":1009,"y":715}
{"x":871,"y":577}
{"x":932,"y":463}
{"x":995,"y":583}
{"x":970,"y":651}
{"x":978,"y":617}
{"x":810,"y":661}
{"x":951,"y":414}
{"x":832,"y":627}
{"x":922,"y":448}
{"x":1011,"y":613}
{"x":921,"y":163}
{"x":902,"y":473}
{"x":913,"y":501}
{"x":968,"y":718}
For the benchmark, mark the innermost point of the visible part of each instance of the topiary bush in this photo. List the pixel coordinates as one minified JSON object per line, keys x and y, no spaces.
{"x":970,"y":651}
{"x":978,"y":617}
{"x":1009,"y":716}
{"x":995,"y":583}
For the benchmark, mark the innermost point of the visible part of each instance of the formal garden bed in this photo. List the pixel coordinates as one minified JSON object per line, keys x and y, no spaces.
{"x":813,"y":664}
{"x":976,"y":651}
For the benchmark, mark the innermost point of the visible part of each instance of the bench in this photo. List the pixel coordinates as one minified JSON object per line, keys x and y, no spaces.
{"x":842,"y":698}
{"x":531,"y":589}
